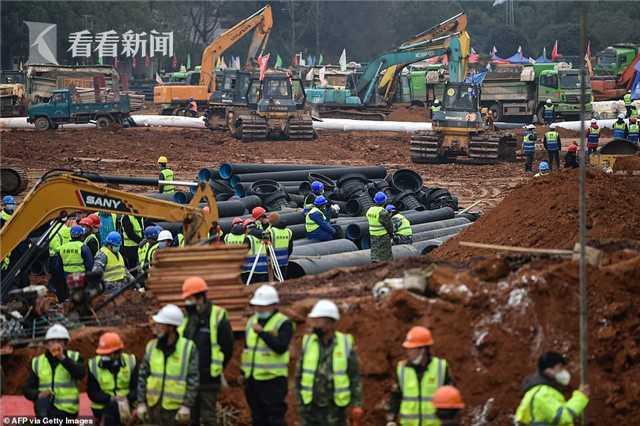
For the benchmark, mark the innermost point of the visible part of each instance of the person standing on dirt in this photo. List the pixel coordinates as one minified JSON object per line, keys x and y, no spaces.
{"x":417,"y":380}
{"x":112,"y":381}
{"x":593,"y":137}
{"x":54,"y":377}
{"x":193,"y":107}
{"x":90,"y":230}
{"x":529,"y":147}
{"x":634,"y":131}
{"x":282,"y":241}
{"x":265,"y":359}
{"x":549,"y":112}
{"x":132,"y":232}
{"x":628,"y":102}
{"x":317,"y":225}
{"x":169,"y":375}
{"x":328,"y":384}
{"x":544,"y":401}
{"x":620,"y":129}
{"x":165,"y":174}
{"x":553,"y":145}
{"x":207,"y":325}
{"x":449,"y":405}
{"x":75,"y":255}
{"x":402,"y":232}
{"x":110,"y":262}
{"x":257,"y":249}
{"x":380,"y":229}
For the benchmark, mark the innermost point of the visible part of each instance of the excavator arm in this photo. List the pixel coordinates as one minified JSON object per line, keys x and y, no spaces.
{"x":261,"y":21}
{"x":64,"y":194}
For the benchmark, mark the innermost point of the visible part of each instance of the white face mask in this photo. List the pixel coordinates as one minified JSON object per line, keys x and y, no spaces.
{"x":563,"y":377}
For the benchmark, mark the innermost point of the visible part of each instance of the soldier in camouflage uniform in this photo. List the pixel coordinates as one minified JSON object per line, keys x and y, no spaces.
{"x":380,"y":229}
{"x":328,"y":385}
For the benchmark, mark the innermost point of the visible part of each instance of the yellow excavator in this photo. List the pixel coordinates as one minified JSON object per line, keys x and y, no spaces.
{"x":173,"y":98}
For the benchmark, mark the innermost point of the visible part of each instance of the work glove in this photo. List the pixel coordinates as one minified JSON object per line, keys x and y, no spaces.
{"x":335,"y":208}
{"x":142,"y":413}
{"x":184,"y":415}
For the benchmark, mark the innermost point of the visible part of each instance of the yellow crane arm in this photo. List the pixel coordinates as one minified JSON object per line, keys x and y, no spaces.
{"x":261,"y":21}
{"x":65,"y":194}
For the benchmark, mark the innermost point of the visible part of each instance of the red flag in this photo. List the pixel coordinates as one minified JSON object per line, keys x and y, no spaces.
{"x":554,"y":53}
{"x":263,"y":63}
{"x":174,"y":62}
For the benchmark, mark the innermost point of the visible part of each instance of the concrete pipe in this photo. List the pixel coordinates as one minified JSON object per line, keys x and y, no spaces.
{"x":370,"y":172}
{"x":325,"y":248}
{"x":436,"y":233}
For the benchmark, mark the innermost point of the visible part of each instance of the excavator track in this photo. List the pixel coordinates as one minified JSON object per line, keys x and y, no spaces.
{"x":12,"y":180}
{"x":424,"y":147}
{"x":252,"y":129}
{"x":300,"y":129}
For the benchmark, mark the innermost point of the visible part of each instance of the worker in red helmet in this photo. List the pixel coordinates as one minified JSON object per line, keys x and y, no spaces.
{"x":448,"y":403}
{"x":90,"y":230}
{"x":571,"y":157}
{"x":259,"y":214}
{"x":258,"y":249}
{"x":417,"y":378}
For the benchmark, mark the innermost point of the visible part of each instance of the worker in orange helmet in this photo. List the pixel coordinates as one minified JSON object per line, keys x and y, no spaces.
{"x":207,"y":325}
{"x":448,"y":403}
{"x":418,"y":378}
{"x":113,"y":377}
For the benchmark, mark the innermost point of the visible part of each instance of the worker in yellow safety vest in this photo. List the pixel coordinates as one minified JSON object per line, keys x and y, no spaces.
{"x":132,"y":228}
{"x":54,"y":378}
{"x":328,"y":384}
{"x":380,"y":229}
{"x":417,"y":379}
{"x":402,"y":232}
{"x":282,"y":242}
{"x":265,"y":358}
{"x":165,"y":174}
{"x":169,"y":376}
{"x":110,"y":262}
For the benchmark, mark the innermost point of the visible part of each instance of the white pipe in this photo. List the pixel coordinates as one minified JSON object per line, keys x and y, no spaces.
{"x":575,"y":125}
{"x":346,"y":125}
{"x":21,"y":123}
{"x":168,"y":121}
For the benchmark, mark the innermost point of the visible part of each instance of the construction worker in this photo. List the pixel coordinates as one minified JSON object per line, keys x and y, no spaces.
{"x":402,"y":232}
{"x":75,"y":255}
{"x":257,"y":249}
{"x":543,"y":169}
{"x":108,"y":223}
{"x":90,"y":238}
{"x":549,"y":112}
{"x":8,"y":207}
{"x":529,"y":147}
{"x":54,"y":377}
{"x":571,"y":157}
{"x":620,"y":129}
{"x":236,"y":235}
{"x":60,"y":234}
{"x":627,"y":102}
{"x":317,"y":189}
{"x":132,"y":228}
{"x":112,"y":381}
{"x":553,"y":145}
{"x":265,"y":359}
{"x":449,"y":405}
{"x":544,"y":401}
{"x":148,"y":246}
{"x":193,"y":107}
{"x":165,"y":174}
{"x":169,"y":375}
{"x":165,"y":239}
{"x":380,"y":229}
{"x":207,"y":325}
{"x":259,"y":215}
{"x":417,"y":380}
{"x":282,"y":242}
{"x":593,"y":137}
{"x":110,"y":262}
{"x":436,"y":107}
{"x":317,"y":225}
{"x":633,"y":134}
{"x":633,"y":111}
{"x":328,"y":378}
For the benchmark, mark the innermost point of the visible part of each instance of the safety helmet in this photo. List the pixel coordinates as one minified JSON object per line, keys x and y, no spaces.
{"x":594,"y":121}
{"x":436,"y":102}
{"x":113,"y":239}
{"x":165,"y":235}
{"x":151,"y":232}
{"x":543,"y":166}
{"x":325,"y":308}
{"x":549,"y":101}
{"x":76,"y":231}
{"x":95,"y":220}
{"x":248,"y":222}
{"x":86,"y":222}
{"x":418,"y":337}
{"x":380,"y":198}
{"x":8,"y":199}
{"x":317,"y":186}
{"x":265,"y":295}
{"x":57,"y":331}
{"x":109,"y":343}
{"x":258,"y":212}
{"x":447,"y":397}
{"x":320,"y":201}
{"x":193,"y":285}
{"x":162,"y":160}
{"x":531,"y":127}
{"x":169,"y":315}
{"x":236,"y":220}
{"x":621,"y":116}
{"x":390,"y":208}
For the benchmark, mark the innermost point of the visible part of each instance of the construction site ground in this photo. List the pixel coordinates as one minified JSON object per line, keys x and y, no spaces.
{"x":491,"y":315}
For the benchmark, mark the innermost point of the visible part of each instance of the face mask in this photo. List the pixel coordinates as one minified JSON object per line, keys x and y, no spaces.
{"x":418,"y":360}
{"x":115,"y":248}
{"x":263,"y":315}
{"x":563,"y":377}
{"x":10,"y":208}
{"x":319,"y":332}
{"x":163,"y":244}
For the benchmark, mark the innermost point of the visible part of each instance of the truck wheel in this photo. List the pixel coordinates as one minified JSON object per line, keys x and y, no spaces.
{"x":42,"y":123}
{"x":496,"y":112}
{"x":103,"y":123}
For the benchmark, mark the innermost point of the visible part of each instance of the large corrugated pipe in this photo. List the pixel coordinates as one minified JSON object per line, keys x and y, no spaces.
{"x":329,"y":184}
{"x":271,"y":193}
{"x":324,"y":248}
{"x":370,"y":172}
{"x":407,"y":201}
{"x":405,"y":180}
{"x":229,"y":169}
{"x":244,"y":188}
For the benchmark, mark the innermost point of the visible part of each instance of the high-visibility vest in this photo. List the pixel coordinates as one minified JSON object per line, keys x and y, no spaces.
{"x":5,"y":216}
{"x":627,"y":99}
{"x":92,"y":237}
{"x":217,"y":357}
{"x":309,"y":224}
{"x":71,"y":255}
{"x":137,"y":225}
{"x":146,"y":253}
{"x":543,"y":405}
{"x":117,"y":385}
{"x":257,"y":249}
{"x":435,"y":108}
{"x":280,"y":239}
{"x":404,"y":230}
{"x":634,"y":132}
{"x":235,"y":239}
{"x":6,"y":262}
{"x":180,"y":238}
{"x":633,"y":112}
{"x":114,"y":270}
{"x":62,"y":386}
{"x":168,"y":376}
{"x":167,"y":174}
{"x":342,"y":346}
{"x":594,"y":136}
{"x":528,"y":145}
{"x":552,"y":141}
{"x":416,"y":408}
{"x":373,"y":217}
{"x":258,"y":360}
{"x":62,"y":236}
{"x":549,"y":112}
{"x":619,"y":130}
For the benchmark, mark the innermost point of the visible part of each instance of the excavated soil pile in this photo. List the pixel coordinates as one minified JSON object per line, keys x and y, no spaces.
{"x":543,"y":212}
{"x":627,"y":163}
{"x":411,"y":113}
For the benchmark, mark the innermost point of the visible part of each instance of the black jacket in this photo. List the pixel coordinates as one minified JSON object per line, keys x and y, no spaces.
{"x":75,"y":369}
{"x":97,"y":395}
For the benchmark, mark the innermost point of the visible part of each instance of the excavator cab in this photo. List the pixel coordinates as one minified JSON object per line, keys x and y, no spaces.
{"x":460,"y":107}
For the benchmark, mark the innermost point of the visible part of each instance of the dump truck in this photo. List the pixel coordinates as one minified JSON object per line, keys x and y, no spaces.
{"x":613,"y":60}
{"x":63,"y":109}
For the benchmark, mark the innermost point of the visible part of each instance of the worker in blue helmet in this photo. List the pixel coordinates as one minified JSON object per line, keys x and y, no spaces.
{"x":380,"y":229}
{"x":402,"y":233}
{"x":75,"y":256}
{"x":543,"y":169}
{"x":317,"y":189}
{"x":110,"y":262}
{"x":148,"y":246}
{"x":317,"y":224}
{"x":8,"y":207}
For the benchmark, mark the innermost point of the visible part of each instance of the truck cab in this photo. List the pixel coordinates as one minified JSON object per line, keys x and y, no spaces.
{"x":613,"y":60}
{"x":276,"y":95}
{"x":562,"y":86}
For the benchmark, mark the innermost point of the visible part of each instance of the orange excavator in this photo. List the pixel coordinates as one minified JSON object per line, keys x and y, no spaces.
{"x":605,"y":88}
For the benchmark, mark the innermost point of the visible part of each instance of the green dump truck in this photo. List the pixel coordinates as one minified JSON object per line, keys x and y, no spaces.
{"x":613,"y":60}
{"x":62,"y":109}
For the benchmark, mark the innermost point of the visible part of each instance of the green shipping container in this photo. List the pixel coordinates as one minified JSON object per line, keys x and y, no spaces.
{"x":418,"y":85}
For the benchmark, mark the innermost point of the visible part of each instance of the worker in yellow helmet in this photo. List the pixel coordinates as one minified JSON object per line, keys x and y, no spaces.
{"x":165,"y":174}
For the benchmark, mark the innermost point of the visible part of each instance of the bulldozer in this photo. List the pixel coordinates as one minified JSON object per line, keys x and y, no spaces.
{"x":275,"y":109}
{"x":459,"y":132}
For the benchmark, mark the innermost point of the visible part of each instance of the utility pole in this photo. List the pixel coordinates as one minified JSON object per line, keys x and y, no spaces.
{"x":317,"y":28}
{"x":292,"y":16}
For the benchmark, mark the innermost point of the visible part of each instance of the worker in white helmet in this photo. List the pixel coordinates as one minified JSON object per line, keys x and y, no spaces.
{"x":549,"y":112}
{"x":169,"y":373}
{"x":54,"y":377}
{"x":328,"y":382}
{"x":265,"y":359}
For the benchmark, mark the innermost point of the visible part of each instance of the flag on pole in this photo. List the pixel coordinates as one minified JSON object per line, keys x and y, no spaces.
{"x":520,"y":50}
{"x":498,"y":2}
{"x":263,"y":62}
{"x":320,"y":59}
{"x":494,"y":51}
{"x":278,"y":62}
{"x":343,"y":60}
{"x":236,"y":62}
{"x":587,"y":59}
{"x":309,"y":76}
{"x":188,"y":61}
{"x":554,"y":53}
{"x":159,"y":79}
